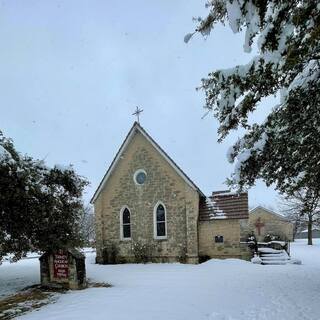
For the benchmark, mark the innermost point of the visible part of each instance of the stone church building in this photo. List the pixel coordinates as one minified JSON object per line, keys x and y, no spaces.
{"x":144,"y":197}
{"x":263,"y":222}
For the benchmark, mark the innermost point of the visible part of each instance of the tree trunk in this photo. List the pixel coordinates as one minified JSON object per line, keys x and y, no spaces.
{"x":310,"y":231}
{"x":295,"y":231}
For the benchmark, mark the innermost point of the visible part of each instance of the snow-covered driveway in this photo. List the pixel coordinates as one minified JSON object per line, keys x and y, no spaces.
{"x":218,"y":289}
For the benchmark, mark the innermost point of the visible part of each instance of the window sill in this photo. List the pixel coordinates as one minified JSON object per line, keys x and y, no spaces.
{"x":125,"y":240}
{"x":160,"y":238}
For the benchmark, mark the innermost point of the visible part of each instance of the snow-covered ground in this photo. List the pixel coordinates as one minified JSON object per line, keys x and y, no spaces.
{"x":16,"y":276}
{"x":217,"y":290}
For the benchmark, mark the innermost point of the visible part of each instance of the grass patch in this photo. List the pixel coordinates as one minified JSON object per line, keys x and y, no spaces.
{"x":91,"y":284}
{"x":34,"y":297}
{"x":24,"y":301}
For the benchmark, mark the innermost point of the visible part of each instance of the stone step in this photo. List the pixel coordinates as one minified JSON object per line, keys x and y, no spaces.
{"x":274,"y":262}
{"x":280,"y":259}
{"x":274,"y":255}
{"x":269,"y":251}
{"x":275,"y":258}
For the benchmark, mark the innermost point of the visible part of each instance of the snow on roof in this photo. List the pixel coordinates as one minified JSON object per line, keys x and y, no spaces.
{"x":224,"y":205}
{"x":225,"y":193}
{"x":216,"y":212}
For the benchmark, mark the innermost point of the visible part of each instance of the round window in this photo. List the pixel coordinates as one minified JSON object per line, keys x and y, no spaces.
{"x":140,"y":177}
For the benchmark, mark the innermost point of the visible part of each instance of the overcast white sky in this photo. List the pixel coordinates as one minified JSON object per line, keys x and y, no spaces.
{"x":72,"y":72}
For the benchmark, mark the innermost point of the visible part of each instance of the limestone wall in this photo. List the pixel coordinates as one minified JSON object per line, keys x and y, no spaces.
{"x":162,"y":184}
{"x":272,"y":224}
{"x":230,"y":247}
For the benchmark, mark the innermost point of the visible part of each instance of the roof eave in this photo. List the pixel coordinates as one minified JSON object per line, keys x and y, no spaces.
{"x":270,"y":211}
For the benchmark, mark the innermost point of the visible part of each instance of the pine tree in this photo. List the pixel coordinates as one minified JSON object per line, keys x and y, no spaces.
{"x":285,"y":148}
{"x":40,"y":207}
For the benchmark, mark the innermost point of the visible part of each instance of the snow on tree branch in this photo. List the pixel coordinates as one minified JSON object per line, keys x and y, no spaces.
{"x":287,"y":38}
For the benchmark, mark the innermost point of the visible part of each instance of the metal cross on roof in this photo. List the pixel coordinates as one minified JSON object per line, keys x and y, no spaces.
{"x":137,"y":113}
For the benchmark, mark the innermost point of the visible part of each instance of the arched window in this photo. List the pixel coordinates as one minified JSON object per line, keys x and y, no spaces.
{"x":160,"y":222}
{"x":125,"y":224}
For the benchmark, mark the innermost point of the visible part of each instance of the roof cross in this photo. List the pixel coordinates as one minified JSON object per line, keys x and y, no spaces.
{"x":137,"y":113}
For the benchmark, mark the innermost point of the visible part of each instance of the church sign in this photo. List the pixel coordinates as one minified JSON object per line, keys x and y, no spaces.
{"x":60,"y":265}
{"x":63,"y":268}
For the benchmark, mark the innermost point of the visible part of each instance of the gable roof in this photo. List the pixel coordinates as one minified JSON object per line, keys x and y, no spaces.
{"x":134,"y":129}
{"x":224,"y":205}
{"x":253,"y":211}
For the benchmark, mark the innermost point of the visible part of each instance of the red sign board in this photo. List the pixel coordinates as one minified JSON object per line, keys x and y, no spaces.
{"x":60,"y":265}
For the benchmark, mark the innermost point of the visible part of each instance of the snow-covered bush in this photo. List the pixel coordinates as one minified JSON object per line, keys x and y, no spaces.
{"x":271,"y":237}
{"x":142,"y":251}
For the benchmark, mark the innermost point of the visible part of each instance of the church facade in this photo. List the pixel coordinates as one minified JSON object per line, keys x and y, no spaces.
{"x":264,"y":222}
{"x":146,"y":200}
